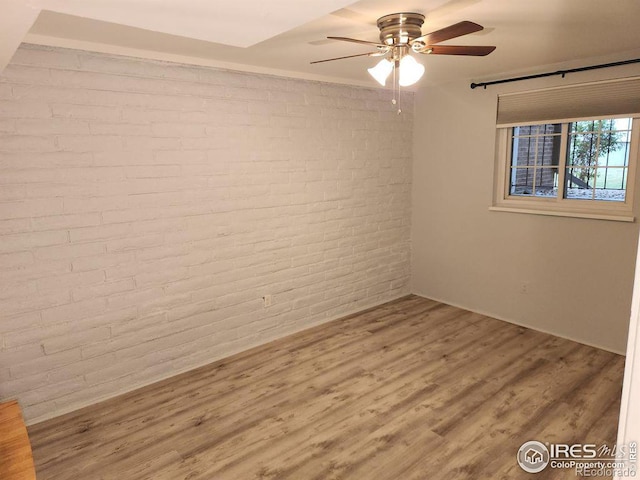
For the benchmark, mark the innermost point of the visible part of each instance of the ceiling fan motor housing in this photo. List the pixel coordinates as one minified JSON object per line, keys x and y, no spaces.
{"x":400,"y":28}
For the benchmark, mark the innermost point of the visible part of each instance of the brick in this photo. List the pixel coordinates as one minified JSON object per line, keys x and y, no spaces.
{"x":69,"y":251}
{"x":75,"y":339}
{"x":18,"y":289}
{"x":153,"y":143}
{"x":13,"y":260}
{"x":27,"y":143}
{"x":17,"y":355}
{"x":161,"y":277}
{"x":102,"y":289}
{"x":51,"y":126}
{"x":190,"y":284}
{"x":94,"y":204}
{"x":240,"y":93}
{"x":142,"y":200}
{"x":191,"y":310}
{"x":120,"y":129}
{"x":38,"y":333}
{"x":70,"y":280}
{"x":181,"y":157}
{"x":19,"y":322}
{"x":15,"y":109}
{"x":58,"y":222}
{"x":73,"y":311}
{"x":130,"y":66}
{"x":147,"y":330}
{"x":6,"y":92}
{"x":141,"y":214}
{"x":99,"y":232}
{"x":134,"y":243}
{"x":7,"y":126}
{"x":52,"y":391}
{"x":153,"y":171}
{"x":134,"y":323}
{"x":50,"y":94}
{"x":28,"y":241}
{"x":80,"y":368}
{"x":134,"y":157}
{"x":213,"y":76}
{"x":165,"y":102}
{"x":23,"y":165}
{"x":36,"y":270}
{"x":28,"y":176}
{"x":153,"y":351}
{"x":178,"y":130}
{"x":146,"y":115}
{"x":135,"y":297}
{"x":90,"y":143}
{"x":30,"y":336}
{"x":127,"y":83}
{"x":44,"y":363}
{"x":101,"y":261}
{"x":163,"y":304}
{"x":88,"y":112}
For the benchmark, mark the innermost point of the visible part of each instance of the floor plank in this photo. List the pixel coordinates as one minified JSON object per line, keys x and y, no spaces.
{"x":412,"y":389}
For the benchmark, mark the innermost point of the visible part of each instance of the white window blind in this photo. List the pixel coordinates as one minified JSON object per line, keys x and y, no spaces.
{"x":570,"y":103}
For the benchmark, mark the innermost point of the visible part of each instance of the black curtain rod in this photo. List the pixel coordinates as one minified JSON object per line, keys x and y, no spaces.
{"x":559,"y":72}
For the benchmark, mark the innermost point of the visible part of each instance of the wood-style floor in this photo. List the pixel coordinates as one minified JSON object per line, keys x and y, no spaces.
{"x":413,"y":389}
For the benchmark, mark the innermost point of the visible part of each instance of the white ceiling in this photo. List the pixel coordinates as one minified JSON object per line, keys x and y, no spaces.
{"x":283,"y":36}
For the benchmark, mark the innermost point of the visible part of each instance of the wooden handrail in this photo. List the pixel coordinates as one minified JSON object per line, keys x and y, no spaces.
{"x":16,"y":458}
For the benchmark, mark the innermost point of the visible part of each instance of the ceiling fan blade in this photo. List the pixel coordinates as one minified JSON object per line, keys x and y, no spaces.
{"x":355,"y":40}
{"x":472,"y":50}
{"x":370,"y":54}
{"x":327,"y":41}
{"x":447,"y":33}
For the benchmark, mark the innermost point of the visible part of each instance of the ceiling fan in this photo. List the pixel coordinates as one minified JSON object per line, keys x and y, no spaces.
{"x":400,"y":34}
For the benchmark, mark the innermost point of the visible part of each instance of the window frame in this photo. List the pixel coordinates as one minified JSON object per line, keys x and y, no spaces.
{"x":559,"y":206}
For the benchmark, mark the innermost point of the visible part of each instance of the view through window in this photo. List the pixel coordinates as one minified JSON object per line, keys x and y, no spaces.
{"x":584,"y":160}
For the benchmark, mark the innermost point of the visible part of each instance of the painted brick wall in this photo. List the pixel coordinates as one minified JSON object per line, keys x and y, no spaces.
{"x":146,"y":208}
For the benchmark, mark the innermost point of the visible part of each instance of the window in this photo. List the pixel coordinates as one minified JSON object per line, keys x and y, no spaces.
{"x":571,"y":164}
{"x":577,"y":168}
{"x":595,"y":163}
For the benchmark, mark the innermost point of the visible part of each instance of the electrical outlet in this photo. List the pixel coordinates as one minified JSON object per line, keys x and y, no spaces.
{"x":524,"y":288}
{"x":267,"y":300}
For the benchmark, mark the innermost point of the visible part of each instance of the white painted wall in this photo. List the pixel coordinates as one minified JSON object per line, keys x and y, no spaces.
{"x":577,"y":273}
{"x":145,"y":209}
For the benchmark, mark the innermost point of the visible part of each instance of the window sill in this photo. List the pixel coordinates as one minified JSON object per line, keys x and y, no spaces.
{"x":564,"y":213}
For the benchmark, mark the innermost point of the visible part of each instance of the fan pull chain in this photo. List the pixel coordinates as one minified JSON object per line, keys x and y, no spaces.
{"x":396,"y":87}
{"x":393,"y":85}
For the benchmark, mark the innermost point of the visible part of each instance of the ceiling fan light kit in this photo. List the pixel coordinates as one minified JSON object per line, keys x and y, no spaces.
{"x":401,"y":35}
{"x":381,"y":71}
{"x":410,"y":71}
